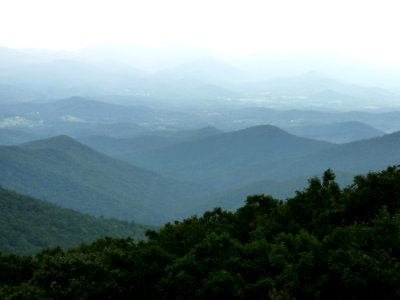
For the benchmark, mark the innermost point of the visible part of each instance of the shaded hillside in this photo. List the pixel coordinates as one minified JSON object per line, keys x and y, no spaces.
{"x":144,"y":143}
{"x":193,"y":134}
{"x":15,"y":136}
{"x":342,"y":132}
{"x":231,"y":199}
{"x":266,"y":152}
{"x":28,"y":225}
{"x":65,"y":172}
{"x":324,"y":243}
{"x":228,"y":158}
{"x":249,"y":116}
{"x":356,"y":157}
{"x":116,"y":147}
{"x":259,"y":159}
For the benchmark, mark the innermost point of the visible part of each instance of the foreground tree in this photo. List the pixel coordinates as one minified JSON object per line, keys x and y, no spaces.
{"x":324,"y":243}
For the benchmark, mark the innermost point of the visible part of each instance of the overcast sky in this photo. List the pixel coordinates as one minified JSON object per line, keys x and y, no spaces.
{"x":365,"y":29}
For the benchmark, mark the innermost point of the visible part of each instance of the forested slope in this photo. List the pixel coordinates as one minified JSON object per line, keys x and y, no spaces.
{"x":27,"y":225}
{"x":63,"y":171}
{"x":324,"y":243}
{"x":228,"y":159}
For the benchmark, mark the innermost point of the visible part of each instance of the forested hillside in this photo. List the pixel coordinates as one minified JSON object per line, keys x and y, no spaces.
{"x":244,"y":157}
{"x":63,"y":171}
{"x":27,"y":225}
{"x":228,"y":159}
{"x":324,"y":243}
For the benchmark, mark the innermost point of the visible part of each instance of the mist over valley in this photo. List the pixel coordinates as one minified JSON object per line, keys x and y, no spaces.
{"x":199,"y":150}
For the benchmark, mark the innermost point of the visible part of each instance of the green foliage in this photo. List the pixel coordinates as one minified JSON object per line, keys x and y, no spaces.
{"x":28,"y":225}
{"x":324,"y":243}
{"x":64,"y":172}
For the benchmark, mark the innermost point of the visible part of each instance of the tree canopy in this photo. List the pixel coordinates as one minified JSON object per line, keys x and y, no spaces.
{"x":324,"y":243}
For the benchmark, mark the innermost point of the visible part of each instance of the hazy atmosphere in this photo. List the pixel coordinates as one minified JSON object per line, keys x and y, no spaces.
{"x":359,"y":29}
{"x":199,"y":149}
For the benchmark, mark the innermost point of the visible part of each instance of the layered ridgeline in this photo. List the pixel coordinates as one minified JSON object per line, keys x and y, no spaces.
{"x":339,"y":132}
{"x":323,"y":243}
{"x":29,"y":225}
{"x":81,"y":117}
{"x":265,"y":152}
{"x":78,"y":116}
{"x":223,"y":166}
{"x":145,"y":142}
{"x":355,"y":157}
{"x":193,"y":74}
{"x":228,"y":159}
{"x":260,"y":159}
{"x":62,"y":171}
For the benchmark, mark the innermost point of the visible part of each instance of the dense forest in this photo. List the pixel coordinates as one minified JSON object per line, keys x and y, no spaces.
{"x":28,"y":225}
{"x":326,"y":242}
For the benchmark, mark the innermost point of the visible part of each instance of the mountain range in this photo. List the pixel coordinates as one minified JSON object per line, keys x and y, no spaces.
{"x":189,"y":171}
{"x":62,"y":171}
{"x":227,"y":158}
{"x":83,"y":117}
{"x":341,"y":132}
{"x":186,"y":78}
{"x":264,"y":158}
{"x":112,"y":137}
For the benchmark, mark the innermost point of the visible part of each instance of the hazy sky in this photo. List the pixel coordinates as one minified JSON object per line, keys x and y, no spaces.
{"x":365,"y":29}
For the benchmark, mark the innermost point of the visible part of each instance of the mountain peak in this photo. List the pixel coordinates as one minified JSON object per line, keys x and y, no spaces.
{"x":59,"y":142}
{"x":266,"y":129}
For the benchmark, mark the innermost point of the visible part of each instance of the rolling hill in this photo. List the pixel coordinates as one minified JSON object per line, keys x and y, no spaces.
{"x":264,"y":159}
{"x":313,"y":83}
{"x":204,"y":171}
{"x":340,"y":132}
{"x":62,"y":171}
{"x":149,"y":141}
{"x":80,"y":116}
{"x":228,"y":158}
{"x":355,"y":157}
{"x":28,"y":225}
{"x":233,"y":198}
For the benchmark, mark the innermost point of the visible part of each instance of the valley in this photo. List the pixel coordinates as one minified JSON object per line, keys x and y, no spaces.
{"x":118,"y":140}
{"x":197,"y":150}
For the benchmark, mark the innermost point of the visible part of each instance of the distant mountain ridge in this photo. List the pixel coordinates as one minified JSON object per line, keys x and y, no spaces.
{"x":266,"y":153}
{"x":340,"y":132}
{"x":79,"y":116}
{"x":174,"y":75}
{"x":145,"y":142}
{"x":65,"y":172}
{"x":227,"y":157}
{"x":356,"y":157}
